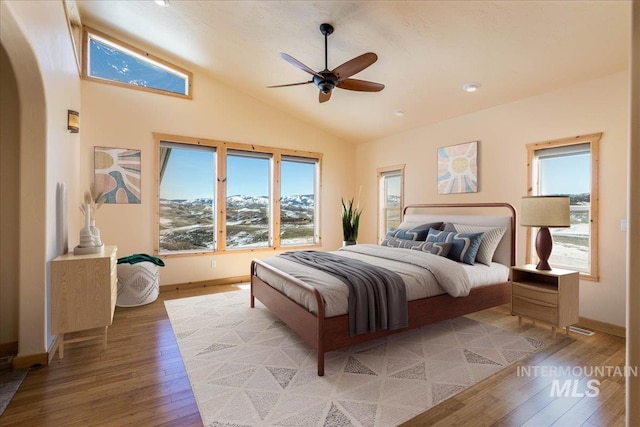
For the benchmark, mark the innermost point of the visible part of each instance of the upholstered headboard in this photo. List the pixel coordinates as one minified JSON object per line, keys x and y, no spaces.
{"x":414,"y":215}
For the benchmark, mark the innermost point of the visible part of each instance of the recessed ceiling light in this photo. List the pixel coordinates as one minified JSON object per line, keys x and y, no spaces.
{"x":163,"y":3}
{"x":470,"y":87}
{"x":399,"y":113}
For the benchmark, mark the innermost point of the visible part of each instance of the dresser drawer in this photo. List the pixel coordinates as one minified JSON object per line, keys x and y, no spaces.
{"x":533,"y":309}
{"x":544,"y":294}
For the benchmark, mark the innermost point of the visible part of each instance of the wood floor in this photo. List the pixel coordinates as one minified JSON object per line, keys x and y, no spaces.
{"x":140,"y":380}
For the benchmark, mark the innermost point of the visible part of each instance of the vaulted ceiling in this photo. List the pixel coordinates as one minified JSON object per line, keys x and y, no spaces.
{"x":427,"y":51}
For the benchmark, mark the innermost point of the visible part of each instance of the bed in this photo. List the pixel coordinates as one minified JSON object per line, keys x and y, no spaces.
{"x":296,"y":296}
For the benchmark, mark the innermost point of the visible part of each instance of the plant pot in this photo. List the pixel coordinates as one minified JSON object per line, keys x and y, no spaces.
{"x":348,"y":243}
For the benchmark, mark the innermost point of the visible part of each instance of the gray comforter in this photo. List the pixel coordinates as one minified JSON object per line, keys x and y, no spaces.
{"x":377,"y":296}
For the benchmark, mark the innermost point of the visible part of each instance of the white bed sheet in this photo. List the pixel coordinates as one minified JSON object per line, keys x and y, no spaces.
{"x":419,"y":282}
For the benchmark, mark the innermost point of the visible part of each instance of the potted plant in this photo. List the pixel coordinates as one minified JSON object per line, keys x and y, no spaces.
{"x":350,"y":222}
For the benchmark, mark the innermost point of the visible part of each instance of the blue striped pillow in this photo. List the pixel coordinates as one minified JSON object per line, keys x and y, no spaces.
{"x":464,"y":245}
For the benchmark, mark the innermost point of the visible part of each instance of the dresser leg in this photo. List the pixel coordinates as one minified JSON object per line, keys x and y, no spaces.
{"x":553,"y":332}
{"x":61,"y":346}
{"x":566,"y":330}
{"x":104,"y":342}
{"x":519,"y":320}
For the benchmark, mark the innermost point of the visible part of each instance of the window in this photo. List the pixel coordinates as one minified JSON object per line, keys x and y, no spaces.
{"x":248,"y":199}
{"x":187,"y":194}
{"x":569,"y":167}
{"x":217,"y":196}
{"x":298,"y":182}
{"x":114,"y":62}
{"x":390,"y":189}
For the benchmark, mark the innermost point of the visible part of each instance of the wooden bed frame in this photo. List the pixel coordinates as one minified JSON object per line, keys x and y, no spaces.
{"x":326,"y":334}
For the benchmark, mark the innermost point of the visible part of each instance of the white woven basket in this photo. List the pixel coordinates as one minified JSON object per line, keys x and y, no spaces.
{"x":138,"y":284}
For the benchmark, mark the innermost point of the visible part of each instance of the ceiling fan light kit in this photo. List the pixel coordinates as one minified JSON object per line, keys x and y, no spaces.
{"x":326,"y":80}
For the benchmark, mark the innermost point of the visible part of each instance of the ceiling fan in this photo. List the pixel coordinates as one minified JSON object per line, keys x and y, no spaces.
{"x":339,"y":77}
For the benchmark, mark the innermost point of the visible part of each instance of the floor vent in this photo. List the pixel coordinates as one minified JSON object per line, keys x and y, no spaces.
{"x":581,"y":331}
{"x":5,"y":361}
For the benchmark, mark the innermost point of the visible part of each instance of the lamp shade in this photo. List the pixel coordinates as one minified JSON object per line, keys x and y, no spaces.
{"x":545,"y":211}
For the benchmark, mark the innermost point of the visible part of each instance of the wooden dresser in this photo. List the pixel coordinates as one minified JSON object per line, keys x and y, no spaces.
{"x":84,"y":289}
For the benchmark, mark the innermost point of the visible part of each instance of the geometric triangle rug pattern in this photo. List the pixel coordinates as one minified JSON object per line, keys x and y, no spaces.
{"x":247,"y":368}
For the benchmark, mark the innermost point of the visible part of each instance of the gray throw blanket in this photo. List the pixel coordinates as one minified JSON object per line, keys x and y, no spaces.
{"x":377,"y":296}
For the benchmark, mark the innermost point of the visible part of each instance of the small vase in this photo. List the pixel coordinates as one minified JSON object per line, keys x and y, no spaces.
{"x":86,"y":238}
{"x":348,"y":242}
{"x":95,"y":233}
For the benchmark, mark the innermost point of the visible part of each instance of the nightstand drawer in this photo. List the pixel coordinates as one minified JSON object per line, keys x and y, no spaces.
{"x":534,"y":309}
{"x":545,"y":294}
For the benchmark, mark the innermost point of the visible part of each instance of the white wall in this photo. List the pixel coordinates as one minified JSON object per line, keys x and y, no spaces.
{"x":596,"y":106}
{"x":37,"y":41}
{"x":126,"y":118}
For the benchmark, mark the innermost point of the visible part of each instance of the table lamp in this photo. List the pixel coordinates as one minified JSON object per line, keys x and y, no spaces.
{"x":544,"y":212}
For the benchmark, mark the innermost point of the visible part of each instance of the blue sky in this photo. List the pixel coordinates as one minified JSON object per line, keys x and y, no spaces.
{"x":566,"y":175}
{"x":247,"y":176}
{"x":190,"y":174}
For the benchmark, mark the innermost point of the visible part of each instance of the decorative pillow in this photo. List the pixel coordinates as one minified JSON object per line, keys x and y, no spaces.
{"x":418,"y":233}
{"x":465,"y":245}
{"x":436,"y":248}
{"x":489,"y":243}
{"x":448,"y":226}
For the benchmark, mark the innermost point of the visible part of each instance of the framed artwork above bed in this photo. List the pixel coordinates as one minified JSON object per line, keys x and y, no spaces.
{"x":458,"y":168}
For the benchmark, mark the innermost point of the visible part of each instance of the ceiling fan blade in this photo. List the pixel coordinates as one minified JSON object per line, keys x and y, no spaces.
{"x":293,"y":61}
{"x":292,"y":84}
{"x":355,"y":65}
{"x":360,"y":85}
{"x":324,"y":97}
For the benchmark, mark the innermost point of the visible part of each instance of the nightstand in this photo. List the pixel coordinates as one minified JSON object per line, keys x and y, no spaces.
{"x":549,"y":296}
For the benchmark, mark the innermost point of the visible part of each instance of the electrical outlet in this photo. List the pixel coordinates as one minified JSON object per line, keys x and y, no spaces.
{"x":213,"y":263}
{"x":623,"y":225}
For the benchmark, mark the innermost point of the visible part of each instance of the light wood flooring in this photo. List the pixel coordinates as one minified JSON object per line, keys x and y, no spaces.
{"x":140,"y":380}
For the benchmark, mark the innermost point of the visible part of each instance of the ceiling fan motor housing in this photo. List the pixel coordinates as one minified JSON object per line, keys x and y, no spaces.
{"x":327,"y":83}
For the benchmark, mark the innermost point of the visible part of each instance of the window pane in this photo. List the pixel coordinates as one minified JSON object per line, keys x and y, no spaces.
{"x":392,"y":185}
{"x":109,"y":62}
{"x":569,"y":174}
{"x":186,"y":198}
{"x":297,"y":203}
{"x":248,"y":200}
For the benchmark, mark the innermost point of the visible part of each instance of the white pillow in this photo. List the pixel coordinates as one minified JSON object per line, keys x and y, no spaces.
{"x":489,"y":243}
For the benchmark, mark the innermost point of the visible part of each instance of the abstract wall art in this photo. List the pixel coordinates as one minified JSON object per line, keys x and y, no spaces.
{"x":458,"y":168}
{"x":117,"y":174}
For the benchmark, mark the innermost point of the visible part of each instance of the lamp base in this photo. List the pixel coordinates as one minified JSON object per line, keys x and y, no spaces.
{"x":544,"y":244}
{"x":543,"y":265}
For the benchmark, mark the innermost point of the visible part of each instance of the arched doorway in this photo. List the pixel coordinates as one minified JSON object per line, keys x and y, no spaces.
{"x":30,"y":125}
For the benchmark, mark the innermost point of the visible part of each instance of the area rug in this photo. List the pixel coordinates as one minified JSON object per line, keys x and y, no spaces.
{"x":247,"y":368}
{"x":10,"y":380}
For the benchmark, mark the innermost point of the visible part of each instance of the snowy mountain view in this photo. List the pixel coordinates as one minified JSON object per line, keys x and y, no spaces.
{"x":571,"y":245}
{"x":188,"y":225}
